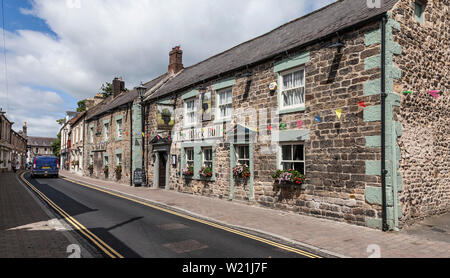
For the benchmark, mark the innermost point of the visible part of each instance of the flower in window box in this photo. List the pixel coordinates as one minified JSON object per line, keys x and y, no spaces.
{"x":106,"y":170}
{"x":188,"y":171}
{"x":288,"y":177}
{"x":241,"y":171}
{"x":206,"y":172}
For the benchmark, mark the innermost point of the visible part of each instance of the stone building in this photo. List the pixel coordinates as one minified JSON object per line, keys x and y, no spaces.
{"x":76,"y":146}
{"x":13,"y":145}
{"x":65,"y":132}
{"x":39,"y":146}
{"x":352,"y":97}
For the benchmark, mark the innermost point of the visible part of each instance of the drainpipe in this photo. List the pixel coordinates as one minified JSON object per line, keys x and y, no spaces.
{"x":385,"y":226}
{"x":131,"y":143}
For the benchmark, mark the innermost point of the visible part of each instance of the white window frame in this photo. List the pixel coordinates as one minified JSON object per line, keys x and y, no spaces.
{"x":280,"y":155}
{"x":118,"y":161}
{"x":187,"y":160}
{"x":106,"y":131}
{"x":106,"y":160}
{"x":194,"y":111}
{"x":218,"y":116}
{"x":204,"y":160}
{"x":237,"y":153}
{"x":119,"y":129}
{"x":91,"y":135}
{"x":281,"y":89}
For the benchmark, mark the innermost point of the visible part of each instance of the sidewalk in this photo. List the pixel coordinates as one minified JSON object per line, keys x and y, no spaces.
{"x":27,"y":228}
{"x":335,"y":238}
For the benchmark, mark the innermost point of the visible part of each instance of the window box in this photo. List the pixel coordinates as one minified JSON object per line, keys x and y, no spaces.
{"x":206,"y":172}
{"x":188,"y":171}
{"x":288,"y":178}
{"x":241,"y":172}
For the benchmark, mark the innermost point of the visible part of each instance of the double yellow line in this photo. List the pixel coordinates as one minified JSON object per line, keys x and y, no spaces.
{"x":260,"y":239}
{"x":108,"y":250}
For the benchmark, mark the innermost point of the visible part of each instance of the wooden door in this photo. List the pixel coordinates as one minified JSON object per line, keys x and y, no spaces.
{"x":162,"y":169}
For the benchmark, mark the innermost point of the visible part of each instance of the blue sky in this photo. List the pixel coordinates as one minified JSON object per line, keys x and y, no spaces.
{"x":59,"y":53}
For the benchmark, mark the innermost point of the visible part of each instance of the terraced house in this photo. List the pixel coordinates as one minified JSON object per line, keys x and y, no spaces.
{"x":352,"y":97}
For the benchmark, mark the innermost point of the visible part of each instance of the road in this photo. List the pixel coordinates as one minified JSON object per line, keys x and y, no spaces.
{"x":119,"y":227}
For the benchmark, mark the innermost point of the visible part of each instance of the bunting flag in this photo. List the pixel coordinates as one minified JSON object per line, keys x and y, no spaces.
{"x":270,"y":128}
{"x":300,"y":124}
{"x":318,"y":119}
{"x":361,"y":103}
{"x":408,"y":92}
{"x":283,"y":126}
{"x":339,"y":113}
{"x":434,"y":93}
{"x":143,"y":134}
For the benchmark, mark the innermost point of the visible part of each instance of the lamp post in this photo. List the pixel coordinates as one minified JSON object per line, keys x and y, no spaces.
{"x":141,"y":92}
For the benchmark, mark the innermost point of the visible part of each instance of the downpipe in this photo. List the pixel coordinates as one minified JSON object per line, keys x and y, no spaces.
{"x":383,"y":96}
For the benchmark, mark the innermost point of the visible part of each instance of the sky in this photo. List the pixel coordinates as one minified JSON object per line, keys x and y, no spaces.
{"x":61,"y":51}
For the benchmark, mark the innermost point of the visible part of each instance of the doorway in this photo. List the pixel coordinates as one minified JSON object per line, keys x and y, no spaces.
{"x":162,"y":169}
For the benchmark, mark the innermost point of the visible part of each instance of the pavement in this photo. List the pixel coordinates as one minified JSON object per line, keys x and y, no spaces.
{"x":322,"y":235}
{"x":27,"y":228}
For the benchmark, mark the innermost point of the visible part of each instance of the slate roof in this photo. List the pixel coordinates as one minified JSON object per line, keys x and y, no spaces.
{"x":121,"y":99}
{"x":40,"y":141}
{"x":321,"y":23}
{"x":77,"y":118}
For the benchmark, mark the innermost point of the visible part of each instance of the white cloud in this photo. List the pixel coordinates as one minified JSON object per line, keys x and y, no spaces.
{"x":107,"y":38}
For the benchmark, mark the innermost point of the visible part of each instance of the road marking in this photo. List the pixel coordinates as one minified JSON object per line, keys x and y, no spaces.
{"x":257,"y":238}
{"x":108,"y":250}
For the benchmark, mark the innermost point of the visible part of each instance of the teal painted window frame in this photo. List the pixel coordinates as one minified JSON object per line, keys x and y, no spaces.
{"x":106,"y":156}
{"x":196,"y":102}
{"x":419,"y":9}
{"x":119,"y":134}
{"x":218,"y":120}
{"x":91,"y":134}
{"x":198,"y":158}
{"x":293,"y":108}
{"x":280,"y":153}
{"x":106,"y":127}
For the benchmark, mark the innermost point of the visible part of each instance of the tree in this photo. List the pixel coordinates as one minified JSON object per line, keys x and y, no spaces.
{"x":107,"y":89}
{"x":81,"y":106}
{"x":61,"y":121}
{"x":56,"y":146}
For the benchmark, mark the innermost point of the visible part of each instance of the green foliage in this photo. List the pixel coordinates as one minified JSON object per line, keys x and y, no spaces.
{"x":206,"y":172}
{"x":61,"y":121}
{"x":81,"y":106}
{"x":56,"y":146}
{"x":106,"y":89}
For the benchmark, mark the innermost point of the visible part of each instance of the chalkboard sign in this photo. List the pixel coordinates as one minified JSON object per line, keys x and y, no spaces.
{"x":139,"y":178}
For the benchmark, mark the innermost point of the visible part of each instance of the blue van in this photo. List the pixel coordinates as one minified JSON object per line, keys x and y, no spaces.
{"x":45,"y":166}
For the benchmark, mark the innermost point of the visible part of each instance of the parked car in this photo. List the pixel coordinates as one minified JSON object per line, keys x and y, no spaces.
{"x":45,"y":166}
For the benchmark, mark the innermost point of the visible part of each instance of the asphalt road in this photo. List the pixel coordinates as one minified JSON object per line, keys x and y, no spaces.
{"x":134,"y":230}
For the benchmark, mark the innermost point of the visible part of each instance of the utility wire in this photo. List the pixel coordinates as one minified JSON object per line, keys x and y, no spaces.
{"x":6,"y":63}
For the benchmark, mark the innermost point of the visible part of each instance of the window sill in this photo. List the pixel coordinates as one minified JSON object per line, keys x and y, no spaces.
{"x":220,"y":121}
{"x":291,"y":110}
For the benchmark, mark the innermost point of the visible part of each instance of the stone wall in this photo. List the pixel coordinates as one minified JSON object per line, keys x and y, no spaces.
{"x":425,"y":148}
{"x":112,"y":146}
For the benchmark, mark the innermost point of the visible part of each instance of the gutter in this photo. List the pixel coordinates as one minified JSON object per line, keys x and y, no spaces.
{"x":383,"y":96}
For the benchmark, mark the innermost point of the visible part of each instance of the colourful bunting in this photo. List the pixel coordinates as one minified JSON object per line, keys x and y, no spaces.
{"x":143,"y":134}
{"x":361,"y":103}
{"x":270,"y":128}
{"x":300,"y":124}
{"x":339,"y":113}
{"x":318,"y":119}
{"x":434,"y":93}
{"x":283,"y":126}
{"x":408,"y":92}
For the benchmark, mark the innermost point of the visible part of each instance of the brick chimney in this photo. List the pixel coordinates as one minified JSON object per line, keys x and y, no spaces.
{"x":118,"y":86}
{"x":175,"y":60}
